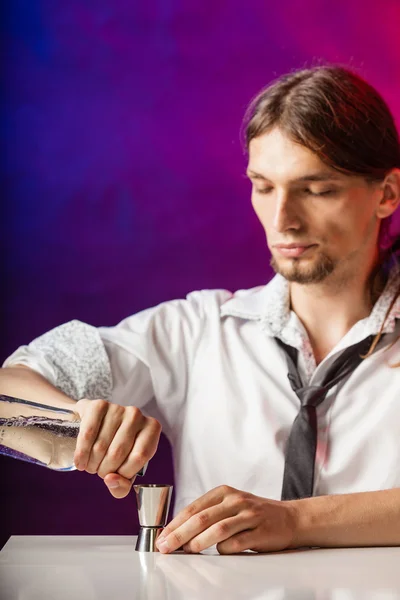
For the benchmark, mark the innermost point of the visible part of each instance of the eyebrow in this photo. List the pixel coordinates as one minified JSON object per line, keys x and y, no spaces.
{"x":320,"y":176}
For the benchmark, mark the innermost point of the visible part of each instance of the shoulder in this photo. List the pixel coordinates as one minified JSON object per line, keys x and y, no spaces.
{"x":191,"y":313}
{"x":197,"y":306}
{"x":219,"y":302}
{"x":208,"y":304}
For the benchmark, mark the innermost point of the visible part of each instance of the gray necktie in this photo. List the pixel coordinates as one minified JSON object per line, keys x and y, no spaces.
{"x":298,"y":477}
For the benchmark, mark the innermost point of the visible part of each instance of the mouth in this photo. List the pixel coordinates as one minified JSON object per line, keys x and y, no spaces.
{"x":293,"y":250}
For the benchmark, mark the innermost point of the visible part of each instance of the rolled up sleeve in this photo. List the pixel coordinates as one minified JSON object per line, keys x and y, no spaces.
{"x":144,"y":359}
{"x":71,"y":357}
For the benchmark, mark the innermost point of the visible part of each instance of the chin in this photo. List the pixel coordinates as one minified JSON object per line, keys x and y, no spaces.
{"x":304,"y":271}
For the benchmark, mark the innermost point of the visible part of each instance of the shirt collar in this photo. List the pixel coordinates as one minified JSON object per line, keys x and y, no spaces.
{"x":270,"y":305}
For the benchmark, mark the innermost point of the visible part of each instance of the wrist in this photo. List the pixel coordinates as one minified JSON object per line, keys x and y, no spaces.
{"x":302,"y":521}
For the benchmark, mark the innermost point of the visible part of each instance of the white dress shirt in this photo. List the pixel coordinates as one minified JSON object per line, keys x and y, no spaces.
{"x":208,"y":368}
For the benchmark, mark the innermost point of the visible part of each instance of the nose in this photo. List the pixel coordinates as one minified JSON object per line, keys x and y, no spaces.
{"x":285,"y":216}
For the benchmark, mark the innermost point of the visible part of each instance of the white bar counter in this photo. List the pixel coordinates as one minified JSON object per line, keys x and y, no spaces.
{"x":109,"y":568}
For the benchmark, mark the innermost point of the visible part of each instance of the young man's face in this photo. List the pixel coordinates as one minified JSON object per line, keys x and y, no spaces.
{"x":317,"y":221}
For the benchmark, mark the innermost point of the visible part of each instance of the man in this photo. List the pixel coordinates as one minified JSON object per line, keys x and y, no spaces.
{"x":281,"y":402}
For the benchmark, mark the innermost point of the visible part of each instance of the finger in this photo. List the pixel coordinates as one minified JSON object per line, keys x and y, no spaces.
{"x":118,"y":486}
{"x":108,"y":429}
{"x":217,"y":533}
{"x":214,"y":521}
{"x":119,"y":448}
{"x":144,"y":448}
{"x":211,"y":498}
{"x":241,"y":541}
{"x":89,"y":428}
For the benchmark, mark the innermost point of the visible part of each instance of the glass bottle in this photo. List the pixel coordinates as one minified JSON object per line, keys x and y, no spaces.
{"x":39,"y":434}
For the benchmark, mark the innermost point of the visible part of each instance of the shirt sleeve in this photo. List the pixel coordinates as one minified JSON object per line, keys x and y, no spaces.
{"x":72,"y":357}
{"x":146,"y":357}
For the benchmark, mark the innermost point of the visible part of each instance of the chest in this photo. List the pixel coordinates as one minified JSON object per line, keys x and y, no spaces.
{"x":239,"y":383}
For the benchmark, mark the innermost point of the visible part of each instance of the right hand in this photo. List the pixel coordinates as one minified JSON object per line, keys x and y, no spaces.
{"x":115,"y":442}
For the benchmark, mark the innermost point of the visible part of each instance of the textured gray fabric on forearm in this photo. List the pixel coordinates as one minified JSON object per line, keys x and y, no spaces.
{"x":79,"y":358}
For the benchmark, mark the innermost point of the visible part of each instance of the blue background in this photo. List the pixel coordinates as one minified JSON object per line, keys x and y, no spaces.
{"x":122,"y":175}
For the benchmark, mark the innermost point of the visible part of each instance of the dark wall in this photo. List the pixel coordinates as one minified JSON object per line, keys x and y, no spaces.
{"x":122,"y":179}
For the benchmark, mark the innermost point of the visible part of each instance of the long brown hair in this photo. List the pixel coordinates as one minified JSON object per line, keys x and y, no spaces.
{"x":340,"y":117}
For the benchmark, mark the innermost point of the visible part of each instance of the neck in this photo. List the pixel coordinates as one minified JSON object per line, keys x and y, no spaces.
{"x":328,"y":310}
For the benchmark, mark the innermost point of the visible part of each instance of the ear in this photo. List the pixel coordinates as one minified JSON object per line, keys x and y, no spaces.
{"x":390,"y":198}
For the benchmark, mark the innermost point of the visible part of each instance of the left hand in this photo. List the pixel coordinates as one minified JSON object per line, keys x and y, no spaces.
{"x":234,"y":520}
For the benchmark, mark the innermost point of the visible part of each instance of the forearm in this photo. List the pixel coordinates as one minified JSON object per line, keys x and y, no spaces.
{"x":22,"y":382}
{"x":359,"y":519}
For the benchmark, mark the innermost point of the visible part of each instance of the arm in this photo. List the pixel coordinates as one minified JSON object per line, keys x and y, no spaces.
{"x":22,"y":382}
{"x":358,"y":519}
{"x":68,"y":367}
{"x":124,"y":427}
{"x":139,"y":364}
{"x":237,"y":521}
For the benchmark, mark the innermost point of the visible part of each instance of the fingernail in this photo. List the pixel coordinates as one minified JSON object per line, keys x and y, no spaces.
{"x":113,"y":484}
{"x":163,"y":546}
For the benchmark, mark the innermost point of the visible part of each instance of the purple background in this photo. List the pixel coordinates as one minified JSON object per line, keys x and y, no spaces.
{"x":123,"y":175}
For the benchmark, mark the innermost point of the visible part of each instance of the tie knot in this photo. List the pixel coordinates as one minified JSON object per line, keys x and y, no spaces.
{"x":311,"y":395}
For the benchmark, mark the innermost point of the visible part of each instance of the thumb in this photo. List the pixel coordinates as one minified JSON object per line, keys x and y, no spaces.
{"x":118,"y":486}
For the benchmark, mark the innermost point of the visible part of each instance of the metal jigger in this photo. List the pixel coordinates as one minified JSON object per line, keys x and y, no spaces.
{"x":153,"y":502}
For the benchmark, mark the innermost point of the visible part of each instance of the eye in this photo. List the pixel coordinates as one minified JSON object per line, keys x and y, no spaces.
{"x":265,"y":190}
{"x":323,"y":193}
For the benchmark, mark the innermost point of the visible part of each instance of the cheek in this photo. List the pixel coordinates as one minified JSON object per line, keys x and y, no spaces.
{"x":344,"y":236}
{"x":256,"y":205}
{"x":335,"y":231}
{"x":263,"y":210}
{"x":350,"y":226}
{"x":353,"y":216}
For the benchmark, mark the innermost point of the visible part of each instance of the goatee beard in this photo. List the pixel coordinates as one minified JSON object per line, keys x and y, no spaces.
{"x":297,"y":272}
